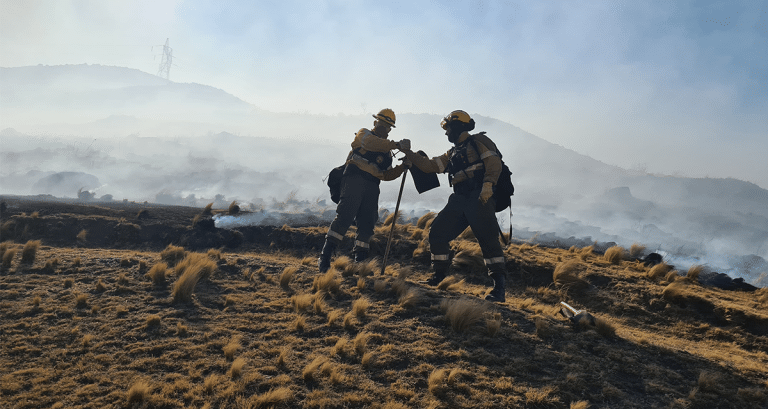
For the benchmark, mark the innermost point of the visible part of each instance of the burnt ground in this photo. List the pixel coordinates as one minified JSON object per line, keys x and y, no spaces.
{"x":83,"y":325}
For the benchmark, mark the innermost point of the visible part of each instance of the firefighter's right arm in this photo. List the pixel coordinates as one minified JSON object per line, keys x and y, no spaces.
{"x":426,"y":165}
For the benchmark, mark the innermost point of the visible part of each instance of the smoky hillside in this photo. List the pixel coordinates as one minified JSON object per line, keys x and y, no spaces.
{"x":101,"y":133}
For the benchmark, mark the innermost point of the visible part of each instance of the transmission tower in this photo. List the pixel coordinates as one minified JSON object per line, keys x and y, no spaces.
{"x":165,"y":63}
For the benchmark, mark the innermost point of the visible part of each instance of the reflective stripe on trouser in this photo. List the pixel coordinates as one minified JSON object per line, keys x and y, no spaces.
{"x":361,"y":246}
{"x":462,"y":211}
{"x":359,"y":202}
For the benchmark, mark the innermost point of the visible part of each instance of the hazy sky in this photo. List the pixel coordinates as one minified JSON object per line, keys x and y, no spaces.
{"x":674,"y":87}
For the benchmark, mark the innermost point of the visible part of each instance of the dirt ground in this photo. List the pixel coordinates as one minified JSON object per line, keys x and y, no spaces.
{"x":87,"y":321}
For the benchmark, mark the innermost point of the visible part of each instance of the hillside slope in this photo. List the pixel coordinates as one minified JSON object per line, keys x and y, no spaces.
{"x":89,"y":321}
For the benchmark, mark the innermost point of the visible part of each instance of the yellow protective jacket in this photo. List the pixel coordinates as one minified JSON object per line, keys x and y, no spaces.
{"x":366,"y":141}
{"x":486,"y":151}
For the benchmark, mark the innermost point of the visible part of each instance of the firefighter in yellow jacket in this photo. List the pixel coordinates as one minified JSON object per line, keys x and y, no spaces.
{"x":369,"y":162}
{"x":473,"y":166}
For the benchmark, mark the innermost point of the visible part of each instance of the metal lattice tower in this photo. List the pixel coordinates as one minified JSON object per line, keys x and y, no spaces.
{"x":165,"y":63}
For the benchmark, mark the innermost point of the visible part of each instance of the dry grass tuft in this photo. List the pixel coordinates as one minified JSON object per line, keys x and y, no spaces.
{"x":231,"y":348}
{"x":540,"y":397}
{"x":636,"y":250}
{"x":319,"y":304}
{"x":543,"y":327}
{"x":308,"y":373}
{"x":341,"y":346}
{"x":234,"y":208}
{"x":410,"y":298}
{"x":349,"y":321}
{"x":152,"y":321}
{"x":87,"y":340}
{"x":283,"y":357}
{"x":671,"y":276}
{"x":208,"y":209}
{"x":214,"y":254}
{"x":586,"y":252}
{"x":308,"y":261}
{"x":81,"y":300}
{"x":469,"y":257}
{"x":658,"y":271}
{"x":463,"y":313}
{"x":604,"y":327}
{"x":236,"y":370}
{"x":451,"y":283}
{"x":361,"y":342}
{"x":423,"y":220}
{"x":157,"y":273}
{"x":190,"y":270}
{"x":139,"y":392}
{"x":333,"y":315}
{"x":693,"y":272}
{"x":340,"y":263}
{"x":300,"y":323}
{"x":301,"y":302}
{"x":615,"y":254}
{"x":360,"y":307}
{"x":8,"y":256}
{"x":82,"y":236}
{"x":566,"y":274}
{"x":172,"y":255}
{"x":493,"y":324}
{"x":362,"y":270}
{"x":581,"y":404}
{"x":391,"y":217}
{"x":181,"y":329}
{"x":286,"y":276}
{"x":272,"y":399}
{"x":709,"y":381}
{"x":100,"y":287}
{"x":29,"y":251}
{"x":436,"y":382}
{"x":380,"y":286}
{"x":69,"y":282}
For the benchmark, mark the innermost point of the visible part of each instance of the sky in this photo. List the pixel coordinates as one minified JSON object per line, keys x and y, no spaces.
{"x":677,"y":88}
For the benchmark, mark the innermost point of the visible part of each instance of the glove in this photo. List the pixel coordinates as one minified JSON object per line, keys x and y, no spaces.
{"x":404,"y":145}
{"x":487,"y":192}
{"x":406,"y":162}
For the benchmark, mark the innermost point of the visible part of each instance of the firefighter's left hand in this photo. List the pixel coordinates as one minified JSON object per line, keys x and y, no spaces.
{"x":487,"y":192}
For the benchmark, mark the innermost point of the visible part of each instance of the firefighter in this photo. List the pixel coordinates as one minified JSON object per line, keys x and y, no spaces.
{"x":473,"y":166}
{"x":369,"y":162}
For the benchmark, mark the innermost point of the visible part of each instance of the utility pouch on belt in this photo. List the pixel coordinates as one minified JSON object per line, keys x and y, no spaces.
{"x":423,"y":181}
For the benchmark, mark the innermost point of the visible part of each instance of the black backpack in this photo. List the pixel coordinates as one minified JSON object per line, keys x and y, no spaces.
{"x":504,"y":187}
{"x":334,"y":182}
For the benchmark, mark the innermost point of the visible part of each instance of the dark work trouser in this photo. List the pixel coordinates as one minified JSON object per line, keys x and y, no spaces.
{"x":359,"y":202}
{"x":464,"y":210}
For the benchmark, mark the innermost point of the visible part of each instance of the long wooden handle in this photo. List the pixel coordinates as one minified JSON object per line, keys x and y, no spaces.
{"x":394,"y":222}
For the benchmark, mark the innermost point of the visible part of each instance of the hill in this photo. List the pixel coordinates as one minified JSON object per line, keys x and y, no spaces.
{"x":135,"y":136}
{"x":95,"y":314}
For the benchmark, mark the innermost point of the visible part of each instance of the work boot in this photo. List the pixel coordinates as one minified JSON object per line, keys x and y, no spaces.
{"x":439,"y":273}
{"x":361,"y":256}
{"x":324,"y":262}
{"x":498,"y":293}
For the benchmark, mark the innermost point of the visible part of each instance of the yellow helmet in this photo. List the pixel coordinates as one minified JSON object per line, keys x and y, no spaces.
{"x":457,"y":115}
{"x":387,"y":115}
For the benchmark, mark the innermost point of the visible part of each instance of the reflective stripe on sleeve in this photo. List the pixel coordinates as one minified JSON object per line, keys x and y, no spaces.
{"x":335,"y":235}
{"x":439,"y":257}
{"x":494,"y":260}
{"x":362,"y":244}
{"x":440,"y":164}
